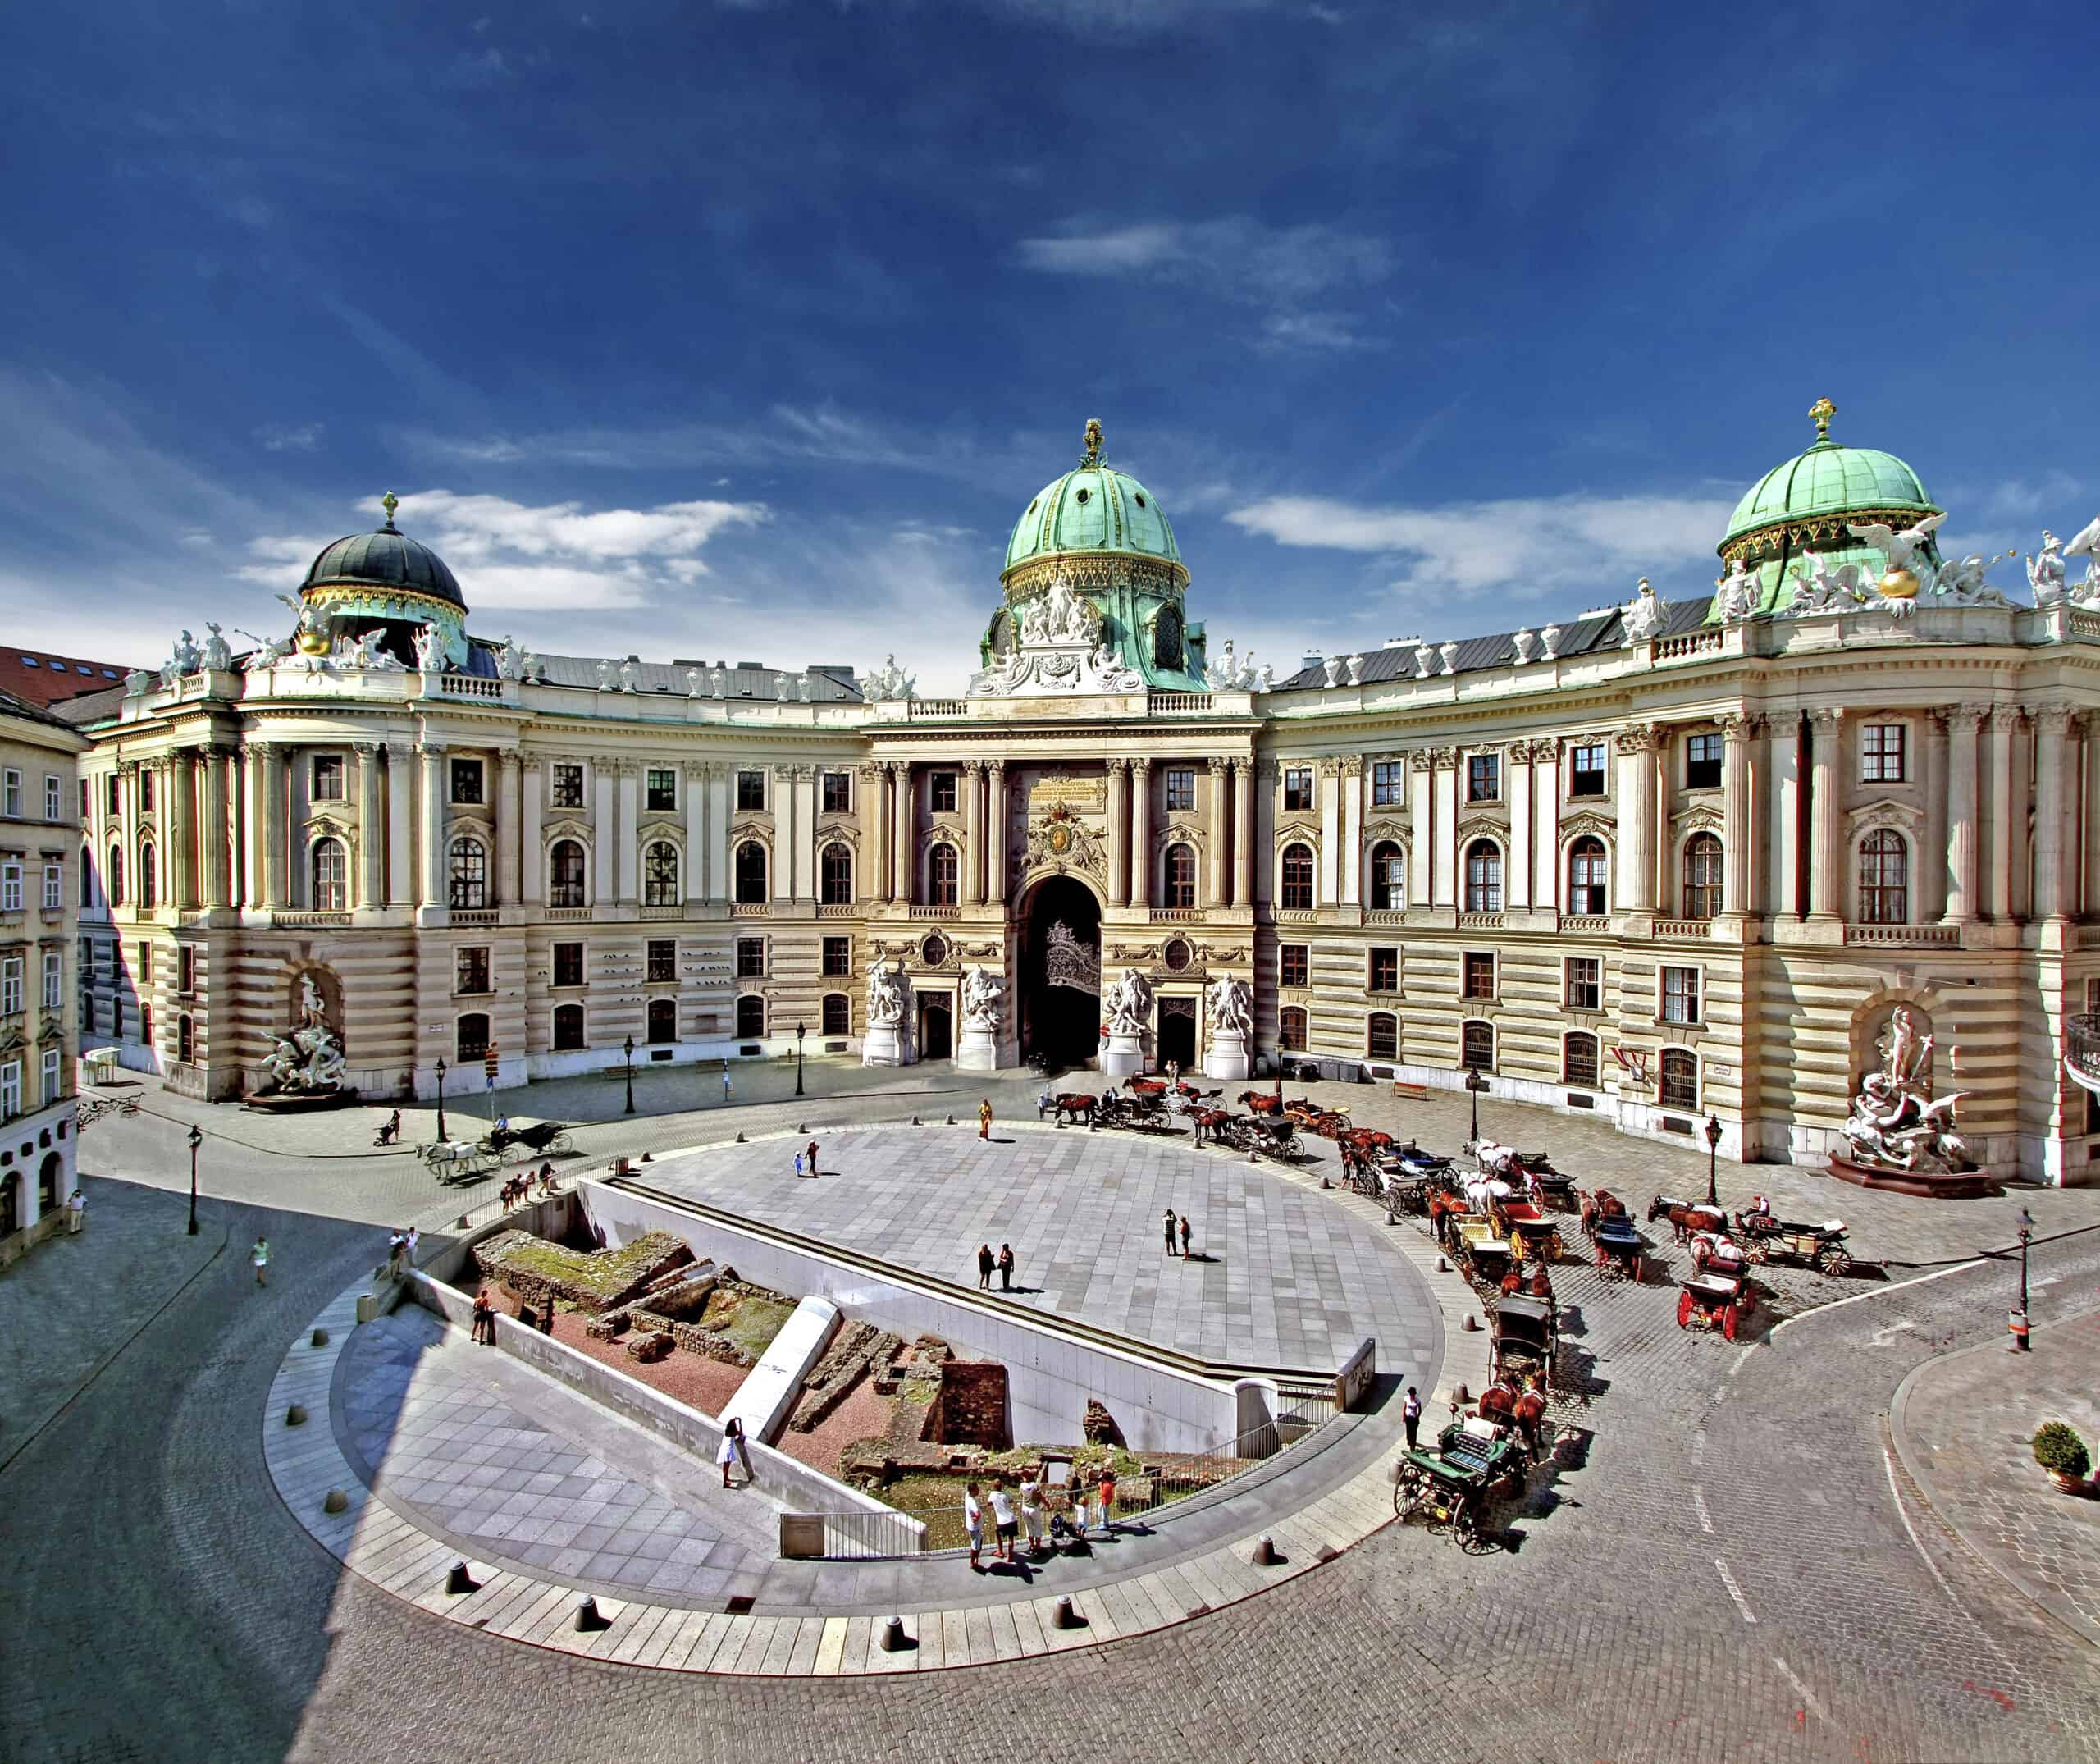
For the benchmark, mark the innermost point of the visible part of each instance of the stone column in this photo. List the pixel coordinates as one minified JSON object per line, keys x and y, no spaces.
{"x":1119,"y":833}
{"x":1141,"y":832}
{"x":128,"y":819}
{"x":604,"y":833}
{"x":1352,"y":851}
{"x":1243,"y":833}
{"x":400,"y":887}
{"x":805,"y":832}
{"x":507,"y":807}
{"x":2051,"y":730}
{"x":2090,"y":840}
{"x":275,"y":833}
{"x":1220,"y":830}
{"x":902,"y":867}
{"x":693,"y":777}
{"x":1930,"y":900}
{"x":371,"y":829}
{"x":630,"y":838}
{"x":1516,"y":782}
{"x":721,"y":878}
{"x":1422,"y":823}
{"x":996,"y":836}
{"x":215,"y":848}
{"x":182,"y":840}
{"x":2004,"y":812}
{"x":1783,"y":896}
{"x":532,"y":855}
{"x":249,"y":873}
{"x":1636,"y":837}
{"x":872,"y":873}
{"x":1328,"y":890}
{"x":432,"y":753}
{"x":1826,"y":808}
{"x":1444,"y":878}
{"x":973,"y":833}
{"x":1736,"y":814}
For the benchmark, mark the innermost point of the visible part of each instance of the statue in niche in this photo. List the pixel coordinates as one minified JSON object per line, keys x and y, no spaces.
{"x":885,"y":996}
{"x":1230,"y":1001}
{"x":983,"y":999}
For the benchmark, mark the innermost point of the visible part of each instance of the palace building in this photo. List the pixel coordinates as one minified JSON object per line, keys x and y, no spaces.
{"x":1666,"y":862}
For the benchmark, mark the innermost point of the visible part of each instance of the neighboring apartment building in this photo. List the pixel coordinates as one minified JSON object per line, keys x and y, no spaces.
{"x":1667,"y":862}
{"x":39,"y":840}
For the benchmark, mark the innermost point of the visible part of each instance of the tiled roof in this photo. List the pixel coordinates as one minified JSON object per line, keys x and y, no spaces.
{"x":1582,"y":637}
{"x":13,"y":705}
{"x":44,"y":677}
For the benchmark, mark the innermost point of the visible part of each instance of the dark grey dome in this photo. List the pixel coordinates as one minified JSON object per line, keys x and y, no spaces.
{"x":386,"y":559}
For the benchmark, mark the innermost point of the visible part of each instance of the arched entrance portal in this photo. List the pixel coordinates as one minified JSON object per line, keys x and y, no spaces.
{"x":936,"y":1026}
{"x":1060,"y":972}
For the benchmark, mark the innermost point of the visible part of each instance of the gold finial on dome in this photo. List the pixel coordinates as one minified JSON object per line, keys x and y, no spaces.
{"x":1822,"y":410}
{"x":1093,"y":456}
{"x":390,"y":502}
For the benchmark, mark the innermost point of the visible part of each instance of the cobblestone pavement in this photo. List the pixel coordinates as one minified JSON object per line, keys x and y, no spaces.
{"x":1964,"y":1424}
{"x":178,"y":1612}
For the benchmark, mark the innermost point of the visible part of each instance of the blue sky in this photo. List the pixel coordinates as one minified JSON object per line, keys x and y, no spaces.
{"x":745,"y":331}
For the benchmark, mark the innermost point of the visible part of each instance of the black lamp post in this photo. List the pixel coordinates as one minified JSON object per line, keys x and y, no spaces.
{"x":2020,"y":1341}
{"x":196,"y":1138}
{"x":1475,"y":1084}
{"x":627,"y":1052}
{"x":798,"y":1059}
{"x":440,"y":1099}
{"x":1713,"y":1156}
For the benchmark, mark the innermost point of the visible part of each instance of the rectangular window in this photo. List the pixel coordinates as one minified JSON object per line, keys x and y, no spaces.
{"x":11,"y":885}
{"x":11,"y":986}
{"x":663,"y":959}
{"x":663,"y":785}
{"x":11,"y":793}
{"x":145,"y":789}
{"x":54,"y":797}
{"x":1881,"y":753}
{"x":751,"y":790}
{"x":113,"y":796}
{"x":1181,"y":789}
{"x":568,"y":965}
{"x":837,"y":956}
{"x":50,"y":1092}
{"x":1295,"y":964}
{"x":471,"y":969}
{"x":1385,"y":971}
{"x":10,"y":1090}
{"x":1586,"y":770}
{"x":837,"y":793}
{"x":54,"y":980}
{"x":1680,"y":996}
{"x":185,"y":969}
{"x":327,"y":778}
{"x":751,"y":958}
{"x":1297,"y":788}
{"x":1477,"y":979}
{"x":84,"y":802}
{"x":565,"y":786}
{"x":142,"y":975}
{"x":54,"y":888}
{"x":1388,"y":783}
{"x":1484,"y":778}
{"x":1578,"y":1062}
{"x":1702,"y":762}
{"x":943,"y":787}
{"x":1582,"y":983}
{"x":467,"y":780}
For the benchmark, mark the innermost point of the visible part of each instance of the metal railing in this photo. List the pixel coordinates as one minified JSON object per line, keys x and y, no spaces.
{"x":2082,"y":1048}
{"x":1163,"y":1478}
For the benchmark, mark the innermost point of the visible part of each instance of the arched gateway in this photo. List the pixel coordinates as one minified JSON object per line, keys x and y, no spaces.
{"x":1061,"y":972}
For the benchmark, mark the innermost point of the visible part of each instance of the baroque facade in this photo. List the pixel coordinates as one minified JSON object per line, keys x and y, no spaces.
{"x":1670,"y":861}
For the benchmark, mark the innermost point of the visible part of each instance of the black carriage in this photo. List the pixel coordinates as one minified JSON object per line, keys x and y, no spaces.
{"x":1527,"y":1336}
{"x":1621,"y":1249}
{"x":543,"y":1139}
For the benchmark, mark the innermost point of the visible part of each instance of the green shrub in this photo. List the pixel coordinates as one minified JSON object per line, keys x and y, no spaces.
{"x":2058,"y":1448}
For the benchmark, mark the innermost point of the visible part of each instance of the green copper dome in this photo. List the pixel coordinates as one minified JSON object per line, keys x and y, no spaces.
{"x":1092,"y":509}
{"x":1829,"y":479}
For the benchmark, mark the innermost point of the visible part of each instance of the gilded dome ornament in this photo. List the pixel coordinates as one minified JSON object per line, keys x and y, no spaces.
{"x":1090,"y":460}
{"x":1821,"y":412}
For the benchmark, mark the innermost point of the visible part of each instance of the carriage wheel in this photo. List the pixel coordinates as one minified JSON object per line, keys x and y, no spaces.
{"x":1836,"y":1262}
{"x":1757,"y":1251}
{"x":1684,"y":1310}
{"x":1728,"y":1323}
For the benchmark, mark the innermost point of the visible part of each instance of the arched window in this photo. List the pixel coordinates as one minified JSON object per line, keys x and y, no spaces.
{"x":1381,"y":1035}
{"x":751,"y":873}
{"x":471,"y":1036}
{"x":113,"y":876}
{"x":1679,"y":1088}
{"x":1297,"y":878}
{"x":838,"y":1014}
{"x":750,"y":1017}
{"x":1389,"y":877}
{"x":331,"y":877}
{"x":1885,"y":878}
{"x":943,"y":872}
{"x":835,"y":875}
{"x":1180,"y":877}
{"x":1476,"y":1046}
{"x":1483,"y":876}
{"x":87,"y":879}
{"x":663,"y":1019}
{"x":565,"y":877}
{"x":1702,"y":876}
{"x":1587,"y":889}
{"x":569,"y":1028}
{"x":659,"y":874}
{"x":1578,"y":1060}
{"x":1290,"y":1029}
{"x":148,"y":877}
{"x":185,"y":1040}
{"x":470,"y":874}
{"x":145,"y":1025}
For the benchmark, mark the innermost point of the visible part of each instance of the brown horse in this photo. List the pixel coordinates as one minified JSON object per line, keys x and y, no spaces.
{"x":1600,"y":1203}
{"x":1261,"y":1102}
{"x":1076,"y":1104}
{"x":1686,"y":1217}
{"x":1212,"y":1124}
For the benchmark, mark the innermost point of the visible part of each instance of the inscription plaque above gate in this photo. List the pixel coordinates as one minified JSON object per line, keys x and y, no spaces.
{"x":1080,"y":794}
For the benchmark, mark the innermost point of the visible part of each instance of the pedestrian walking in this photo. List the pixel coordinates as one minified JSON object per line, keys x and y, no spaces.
{"x":1031,"y":1512}
{"x":397,"y":1246}
{"x":984,"y":1265}
{"x":1185,"y":1237}
{"x":1003,"y":1523}
{"x":726,"y":1091}
{"x":409,"y":1242}
{"x":1105,"y":1493}
{"x":546,"y":1179}
{"x":76,"y":1212}
{"x":484,"y":1330}
{"x":973,"y":1522}
{"x":984,"y":1119}
{"x":813,"y":1157}
{"x":1169,"y":1224}
{"x":1411,"y":1416}
{"x":798,"y":1163}
{"x":1006,"y":1267}
{"x":259,"y":1258}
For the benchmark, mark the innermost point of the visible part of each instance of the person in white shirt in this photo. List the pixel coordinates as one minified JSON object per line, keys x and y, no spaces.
{"x":1031,"y":1512}
{"x":973,"y":1521}
{"x":76,"y":1210}
{"x":1002,"y":1519}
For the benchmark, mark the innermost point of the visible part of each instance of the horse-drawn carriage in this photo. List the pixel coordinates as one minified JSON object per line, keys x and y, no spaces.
{"x":1533,"y":1237}
{"x":543,"y":1139}
{"x":1619,"y":1247}
{"x":1258,"y":1135}
{"x":1687,"y":1218}
{"x":1821,"y":1247}
{"x":1716,"y":1300}
{"x":455,"y":1160}
{"x":1527,"y":1337}
{"x":1448,"y":1485}
{"x":1484,"y":1257}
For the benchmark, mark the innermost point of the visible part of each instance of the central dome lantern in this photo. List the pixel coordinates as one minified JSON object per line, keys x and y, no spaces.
{"x":385,"y":579}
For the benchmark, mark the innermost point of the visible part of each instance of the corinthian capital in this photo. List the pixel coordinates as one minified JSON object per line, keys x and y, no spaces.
{"x":1636,"y":738}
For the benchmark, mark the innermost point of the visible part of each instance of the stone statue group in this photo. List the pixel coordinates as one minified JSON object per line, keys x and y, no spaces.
{"x":1896,"y":1123}
{"x":308,"y":1059}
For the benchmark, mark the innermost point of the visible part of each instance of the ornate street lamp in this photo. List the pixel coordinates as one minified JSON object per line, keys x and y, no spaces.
{"x":2020,"y":1342}
{"x":1713,"y":1154}
{"x":440,"y":1099}
{"x":627,"y":1053}
{"x":1477,"y":1085}
{"x":196,"y":1138}
{"x":798,"y":1059}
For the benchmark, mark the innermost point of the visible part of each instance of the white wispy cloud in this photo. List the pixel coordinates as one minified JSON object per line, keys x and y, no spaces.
{"x":290,"y":437}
